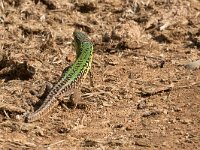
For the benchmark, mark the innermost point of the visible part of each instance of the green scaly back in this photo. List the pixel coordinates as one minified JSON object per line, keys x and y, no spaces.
{"x":84,"y":52}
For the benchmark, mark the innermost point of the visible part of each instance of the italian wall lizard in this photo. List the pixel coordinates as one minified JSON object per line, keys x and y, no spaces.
{"x":71,"y":78}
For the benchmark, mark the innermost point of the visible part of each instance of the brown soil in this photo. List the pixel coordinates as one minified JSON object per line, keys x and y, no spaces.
{"x":143,"y":96}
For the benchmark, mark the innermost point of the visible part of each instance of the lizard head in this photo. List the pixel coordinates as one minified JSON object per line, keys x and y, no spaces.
{"x":81,"y":41}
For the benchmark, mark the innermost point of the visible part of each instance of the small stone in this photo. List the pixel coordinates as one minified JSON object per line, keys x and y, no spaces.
{"x":177,"y":109}
{"x":130,"y":127}
{"x":141,"y":104}
{"x":186,"y":121}
{"x":18,"y":117}
{"x":193,"y":65}
{"x":150,"y":113}
{"x":106,"y":104}
{"x":30,"y":144}
{"x":39,"y":131}
{"x":171,"y":120}
{"x":165,"y":111}
{"x":142,"y":143}
{"x":165,"y":144}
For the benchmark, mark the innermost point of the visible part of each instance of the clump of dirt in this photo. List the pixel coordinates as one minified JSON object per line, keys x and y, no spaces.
{"x":145,"y":95}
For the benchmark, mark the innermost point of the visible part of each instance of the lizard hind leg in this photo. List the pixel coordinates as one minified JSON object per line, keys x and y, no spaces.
{"x":74,"y":101}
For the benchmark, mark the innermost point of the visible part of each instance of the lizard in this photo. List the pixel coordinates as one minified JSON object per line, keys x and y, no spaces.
{"x":71,"y":78}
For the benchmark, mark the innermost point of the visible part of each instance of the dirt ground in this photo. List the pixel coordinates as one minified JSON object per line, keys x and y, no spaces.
{"x":144,"y":95}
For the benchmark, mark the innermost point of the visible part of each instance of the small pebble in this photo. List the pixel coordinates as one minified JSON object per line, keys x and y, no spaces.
{"x":193,"y":65}
{"x":141,"y":104}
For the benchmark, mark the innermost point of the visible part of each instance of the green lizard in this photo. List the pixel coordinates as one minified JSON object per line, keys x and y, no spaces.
{"x":71,"y":78}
